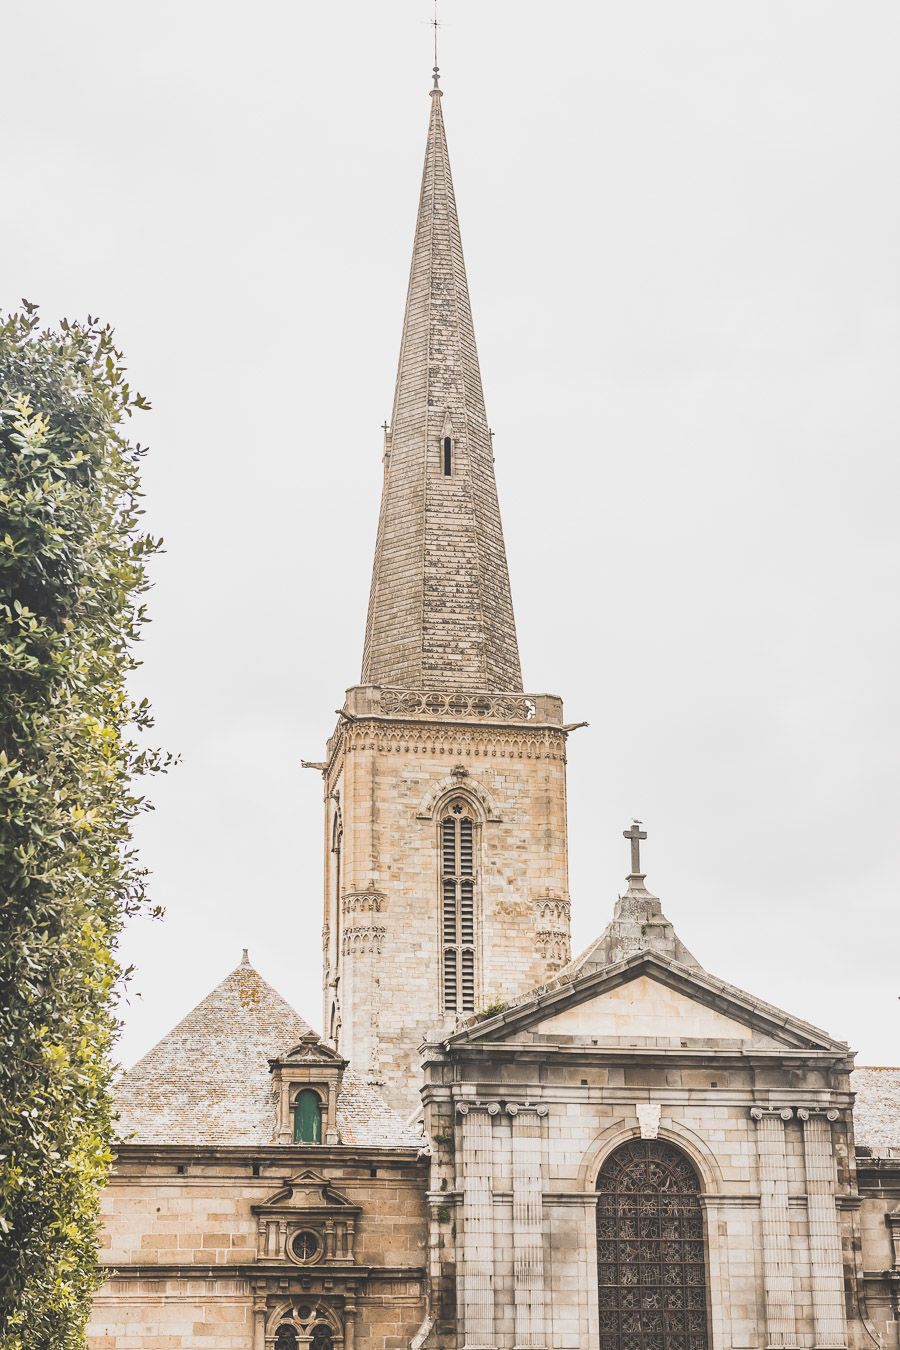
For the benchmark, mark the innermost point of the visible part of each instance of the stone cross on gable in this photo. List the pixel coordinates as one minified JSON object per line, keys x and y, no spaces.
{"x":635,"y":834}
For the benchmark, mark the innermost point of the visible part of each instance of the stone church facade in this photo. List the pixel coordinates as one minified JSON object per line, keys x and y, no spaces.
{"x":491,"y":1146}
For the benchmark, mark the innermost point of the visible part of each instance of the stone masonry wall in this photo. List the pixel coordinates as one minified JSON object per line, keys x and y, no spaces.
{"x":581,"y":1112}
{"x":183,"y":1252}
{"x":390,"y":780}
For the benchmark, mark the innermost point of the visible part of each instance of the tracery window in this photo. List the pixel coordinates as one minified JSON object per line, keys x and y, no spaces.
{"x":458,"y":909}
{"x":651,"y":1263}
{"x":285,"y":1338}
{"x":322,"y":1338}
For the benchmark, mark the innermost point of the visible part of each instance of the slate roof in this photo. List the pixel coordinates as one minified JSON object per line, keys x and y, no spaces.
{"x":877,"y":1111}
{"x":208,"y":1080}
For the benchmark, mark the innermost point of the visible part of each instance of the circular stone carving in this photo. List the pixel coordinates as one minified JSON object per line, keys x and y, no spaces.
{"x":305,"y":1247}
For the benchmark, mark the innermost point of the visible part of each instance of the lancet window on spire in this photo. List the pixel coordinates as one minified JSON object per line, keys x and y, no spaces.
{"x":447,"y":456}
{"x":458,"y":908}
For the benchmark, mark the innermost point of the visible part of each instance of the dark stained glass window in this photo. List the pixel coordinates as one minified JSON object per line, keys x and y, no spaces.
{"x":650,"y":1255}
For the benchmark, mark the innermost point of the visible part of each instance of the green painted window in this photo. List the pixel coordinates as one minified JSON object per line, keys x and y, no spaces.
{"x":308,"y":1118}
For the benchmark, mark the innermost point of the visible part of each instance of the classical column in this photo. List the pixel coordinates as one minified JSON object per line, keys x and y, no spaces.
{"x":778,"y":1261}
{"x":528,"y":1225}
{"x":825,"y":1254}
{"x":478,"y":1225}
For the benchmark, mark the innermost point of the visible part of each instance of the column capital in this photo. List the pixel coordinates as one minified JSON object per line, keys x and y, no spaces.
{"x":514,"y":1108}
{"x":758,"y":1112}
{"x":464,"y":1108}
{"x":830,"y":1113}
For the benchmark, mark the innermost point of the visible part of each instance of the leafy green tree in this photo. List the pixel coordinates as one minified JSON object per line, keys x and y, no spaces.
{"x":73,"y":560}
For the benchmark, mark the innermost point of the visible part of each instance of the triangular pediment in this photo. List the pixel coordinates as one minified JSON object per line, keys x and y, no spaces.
{"x":310,"y":1050}
{"x":649,"y":1001}
{"x":308,"y":1191}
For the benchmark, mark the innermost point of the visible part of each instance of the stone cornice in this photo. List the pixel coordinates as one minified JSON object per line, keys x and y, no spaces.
{"x":249,"y":1270}
{"x":295,"y":1155}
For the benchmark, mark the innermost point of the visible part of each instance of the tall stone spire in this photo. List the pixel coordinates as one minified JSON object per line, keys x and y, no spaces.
{"x":440,"y":608}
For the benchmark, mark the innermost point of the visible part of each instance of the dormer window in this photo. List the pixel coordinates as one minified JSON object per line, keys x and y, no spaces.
{"x":447,"y":456}
{"x":308,"y":1117}
{"x":306,"y":1086}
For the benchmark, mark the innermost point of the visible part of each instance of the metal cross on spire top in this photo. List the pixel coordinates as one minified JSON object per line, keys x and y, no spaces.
{"x":635,"y":834}
{"x":436,"y":24}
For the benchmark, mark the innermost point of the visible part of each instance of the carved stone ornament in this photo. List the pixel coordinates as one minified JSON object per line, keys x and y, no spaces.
{"x":785,"y":1112}
{"x":436,"y":703}
{"x":539,"y":1109}
{"x":307,"y":1222}
{"x":648,"y":1114}
{"x":804,"y":1113}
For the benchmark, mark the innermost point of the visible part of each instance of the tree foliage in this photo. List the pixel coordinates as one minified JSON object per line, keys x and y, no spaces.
{"x":73,"y":562}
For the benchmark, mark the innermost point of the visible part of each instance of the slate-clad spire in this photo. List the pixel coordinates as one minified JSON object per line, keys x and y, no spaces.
{"x":440,"y":609}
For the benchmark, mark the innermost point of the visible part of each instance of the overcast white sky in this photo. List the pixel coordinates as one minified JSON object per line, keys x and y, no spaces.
{"x":681,"y":225}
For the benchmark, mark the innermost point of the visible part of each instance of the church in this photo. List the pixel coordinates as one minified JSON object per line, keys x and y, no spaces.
{"x":489,"y":1145}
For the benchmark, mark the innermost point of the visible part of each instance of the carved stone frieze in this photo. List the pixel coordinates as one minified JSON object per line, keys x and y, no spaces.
{"x":363,"y":938}
{"x":455,"y":741}
{"x":363,"y":902}
{"x":553,"y":913}
{"x":437,"y":703}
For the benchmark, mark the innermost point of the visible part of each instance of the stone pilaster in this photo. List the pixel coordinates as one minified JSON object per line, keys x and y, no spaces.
{"x":778,"y":1261}
{"x":259,"y":1323}
{"x":528,"y":1225}
{"x":826,"y":1258}
{"x":478,"y":1225}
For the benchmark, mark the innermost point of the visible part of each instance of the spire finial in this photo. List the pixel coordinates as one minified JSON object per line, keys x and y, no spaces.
{"x":635,"y":834}
{"x":245,"y":958}
{"x":436,"y":72}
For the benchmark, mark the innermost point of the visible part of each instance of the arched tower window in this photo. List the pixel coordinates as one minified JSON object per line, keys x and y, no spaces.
{"x":322,"y":1338}
{"x":285,"y":1338}
{"x":458,"y":908}
{"x":308,"y":1117}
{"x":651,"y":1264}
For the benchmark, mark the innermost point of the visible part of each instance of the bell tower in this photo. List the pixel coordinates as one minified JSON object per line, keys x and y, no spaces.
{"x":446,"y":874}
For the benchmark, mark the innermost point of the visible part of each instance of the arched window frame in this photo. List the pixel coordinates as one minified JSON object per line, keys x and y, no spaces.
{"x":295,"y":1107}
{"x":459,"y":902}
{"x":618,"y":1244}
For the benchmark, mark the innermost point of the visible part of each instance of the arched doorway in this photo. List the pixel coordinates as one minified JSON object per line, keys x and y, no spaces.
{"x":651,"y":1264}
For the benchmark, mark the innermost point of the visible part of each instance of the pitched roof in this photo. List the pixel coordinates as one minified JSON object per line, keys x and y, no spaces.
{"x":208,"y":1080}
{"x":876,"y":1114}
{"x":440,"y":608}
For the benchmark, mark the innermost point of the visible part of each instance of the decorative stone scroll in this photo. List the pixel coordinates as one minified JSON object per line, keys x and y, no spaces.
{"x":478,"y":1224}
{"x":778,"y":1260}
{"x":825,"y":1256}
{"x":435,"y":703}
{"x":528,"y":1225}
